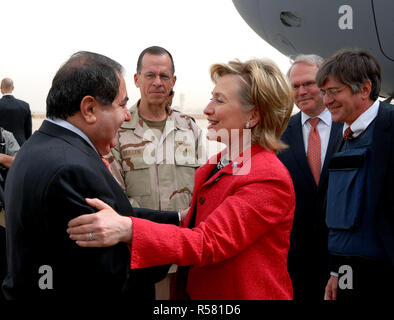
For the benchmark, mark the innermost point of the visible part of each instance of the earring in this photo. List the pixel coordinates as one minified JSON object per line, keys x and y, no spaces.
{"x":247,"y":124}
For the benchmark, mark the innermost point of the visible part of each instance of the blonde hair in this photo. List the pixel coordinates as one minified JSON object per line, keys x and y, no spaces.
{"x":264,"y":87}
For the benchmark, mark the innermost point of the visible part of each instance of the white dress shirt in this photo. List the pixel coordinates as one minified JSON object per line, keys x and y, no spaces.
{"x":364,"y":120}
{"x":324,"y":128}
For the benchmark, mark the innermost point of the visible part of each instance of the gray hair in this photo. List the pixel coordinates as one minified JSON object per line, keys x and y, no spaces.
{"x":311,"y":59}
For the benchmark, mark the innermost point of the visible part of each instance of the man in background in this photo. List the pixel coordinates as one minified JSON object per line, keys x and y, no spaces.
{"x":15,"y":114}
{"x":360,"y":202}
{"x":156,"y":153}
{"x":8,"y":150}
{"x":312,"y":139}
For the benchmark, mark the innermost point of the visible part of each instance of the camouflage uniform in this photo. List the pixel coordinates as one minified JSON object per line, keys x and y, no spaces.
{"x":9,"y":146}
{"x":157,"y":173}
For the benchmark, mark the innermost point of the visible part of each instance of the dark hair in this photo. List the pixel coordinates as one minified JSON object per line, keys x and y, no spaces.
{"x":84,"y":74}
{"x":352,"y":67}
{"x":157,"y":51}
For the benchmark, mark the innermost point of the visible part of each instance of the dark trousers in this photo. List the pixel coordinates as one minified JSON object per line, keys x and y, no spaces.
{"x":309,"y":283}
{"x":372,"y":280}
{"x":3,"y":259}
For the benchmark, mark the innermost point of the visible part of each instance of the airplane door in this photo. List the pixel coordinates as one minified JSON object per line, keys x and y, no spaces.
{"x":384,"y":11}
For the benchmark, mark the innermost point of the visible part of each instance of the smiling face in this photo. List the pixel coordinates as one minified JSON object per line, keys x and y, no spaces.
{"x":109,"y":120}
{"x":225,"y":111}
{"x":344,"y":105}
{"x":155,"y":79}
{"x":306,"y":92}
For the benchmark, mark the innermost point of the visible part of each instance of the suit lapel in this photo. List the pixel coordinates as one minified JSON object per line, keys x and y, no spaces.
{"x":297,"y":147}
{"x":68,"y":136}
{"x":382,"y":137}
{"x":202,"y":174}
{"x":236,"y":167}
{"x":333,"y":145}
{"x":76,"y":141}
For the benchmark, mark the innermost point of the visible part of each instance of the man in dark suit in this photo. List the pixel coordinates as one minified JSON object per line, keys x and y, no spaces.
{"x":360,"y":196}
{"x":312,"y":138}
{"x":58,"y":167}
{"x":15,"y":114}
{"x":9,"y":147}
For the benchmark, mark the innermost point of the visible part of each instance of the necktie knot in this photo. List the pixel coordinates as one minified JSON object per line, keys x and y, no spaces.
{"x":314,"y":122}
{"x":348,"y":135}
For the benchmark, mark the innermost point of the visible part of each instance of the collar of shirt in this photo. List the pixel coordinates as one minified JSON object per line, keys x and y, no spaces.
{"x":67,"y":125}
{"x":179,"y":119}
{"x":364,"y":120}
{"x":7,"y":94}
{"x":325,"y":117}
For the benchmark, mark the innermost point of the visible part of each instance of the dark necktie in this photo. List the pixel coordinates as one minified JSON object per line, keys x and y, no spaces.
{"x":348,"y":135}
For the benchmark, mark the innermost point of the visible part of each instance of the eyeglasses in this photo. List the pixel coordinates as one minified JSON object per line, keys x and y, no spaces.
{"x":151,"y":76}
{"x":332,"y":92}
{"x":306,"y":85}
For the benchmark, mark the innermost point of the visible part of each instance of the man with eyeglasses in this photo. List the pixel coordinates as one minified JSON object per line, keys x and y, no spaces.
{"x":156,"y":154}
{"x":360,"y":196}
{"x":312,"y":139}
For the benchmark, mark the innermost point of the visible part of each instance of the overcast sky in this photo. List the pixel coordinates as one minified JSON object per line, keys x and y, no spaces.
{"x":38,"y":36}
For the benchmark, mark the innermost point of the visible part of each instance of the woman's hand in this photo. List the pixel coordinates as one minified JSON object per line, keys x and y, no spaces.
{"x":104,"y":228}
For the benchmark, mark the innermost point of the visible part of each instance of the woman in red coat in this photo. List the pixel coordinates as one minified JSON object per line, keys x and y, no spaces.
{"x":235,"y":239}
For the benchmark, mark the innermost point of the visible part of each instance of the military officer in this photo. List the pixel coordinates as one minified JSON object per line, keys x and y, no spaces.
{"x":157,"y":151}
{"x":8,"y":150}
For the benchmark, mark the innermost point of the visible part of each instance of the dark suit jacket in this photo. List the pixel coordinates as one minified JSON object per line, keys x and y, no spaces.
{"x":308,"y":255}
{"x":382,"y":178}
{"x":15,"y":116}
{"x":46,"y":187}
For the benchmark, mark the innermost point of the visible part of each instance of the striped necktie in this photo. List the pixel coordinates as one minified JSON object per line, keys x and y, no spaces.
{"x":348,"y":135}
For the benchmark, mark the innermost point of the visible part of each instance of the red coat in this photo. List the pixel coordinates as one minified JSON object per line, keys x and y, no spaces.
{"x":239,"y":246}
